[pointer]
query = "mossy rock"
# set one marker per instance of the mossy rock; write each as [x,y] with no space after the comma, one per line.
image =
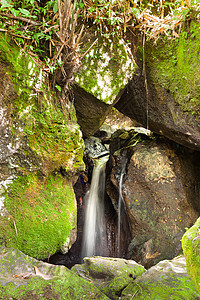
[24,278]
[110,275]
[167,280]
[174,64]
[191,250]
[39,140]
[37,120]
[173,82]
[106,68]
[41,215]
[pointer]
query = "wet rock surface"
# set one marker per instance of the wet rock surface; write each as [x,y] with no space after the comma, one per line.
[160,195]
[90,111]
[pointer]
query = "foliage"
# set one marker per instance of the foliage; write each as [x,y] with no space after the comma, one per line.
[46,30]
[154,17]
[50,30]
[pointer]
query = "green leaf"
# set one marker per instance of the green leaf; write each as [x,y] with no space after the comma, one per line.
[5,4]
[58,88]
[14,12]
[55,6]
[24,12]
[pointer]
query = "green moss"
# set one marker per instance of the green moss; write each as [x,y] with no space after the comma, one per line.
[174,64]
[171,288]
[62,288]
[41,215]
[62,283]
[51,129]
[106,69]
[53,136]
[47,139]
[191,250]
[23,70]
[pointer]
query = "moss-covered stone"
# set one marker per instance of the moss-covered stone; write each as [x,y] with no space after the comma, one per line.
[51,129]
[174,64]
[191,250]
[41,215]
[166,280]
[106,68]
[24,278]
[110,275]
[39,140]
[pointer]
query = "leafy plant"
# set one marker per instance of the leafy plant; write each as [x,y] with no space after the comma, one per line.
[50,31]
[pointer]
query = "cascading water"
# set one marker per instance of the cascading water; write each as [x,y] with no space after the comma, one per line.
[120,203]
[94,227]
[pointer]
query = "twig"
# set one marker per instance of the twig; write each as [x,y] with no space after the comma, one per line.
[15,227]
[79,37]
[86,52]
[20,18]
[60,16]
[134,295]
[145,82]
[50,28]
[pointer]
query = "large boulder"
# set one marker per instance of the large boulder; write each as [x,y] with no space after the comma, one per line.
[107,66]
[158,190]
[166,280]
[191,250]
[172,105]
[106,69]
[40,143]
[23,277]
[110,275]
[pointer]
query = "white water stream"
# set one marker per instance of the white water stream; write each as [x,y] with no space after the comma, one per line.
[94,218]
[120,202]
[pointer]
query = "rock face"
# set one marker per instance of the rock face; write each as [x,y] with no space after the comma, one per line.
[166,280]
[39,143]
[90,111]
[191,250]
[158,189]
[172,70]
[22,277]
[110,275]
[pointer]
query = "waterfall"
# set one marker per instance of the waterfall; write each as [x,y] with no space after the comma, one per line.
[120,202]
[94,227]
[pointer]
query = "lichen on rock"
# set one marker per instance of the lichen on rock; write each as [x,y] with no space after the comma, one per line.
[106,68]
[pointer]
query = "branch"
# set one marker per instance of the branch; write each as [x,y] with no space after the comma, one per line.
[89,48]
[20,18]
